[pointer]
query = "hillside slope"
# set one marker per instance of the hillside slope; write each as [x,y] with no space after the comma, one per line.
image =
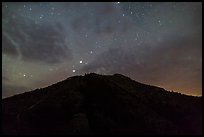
[101,104]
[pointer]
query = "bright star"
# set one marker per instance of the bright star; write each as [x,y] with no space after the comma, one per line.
[41,16]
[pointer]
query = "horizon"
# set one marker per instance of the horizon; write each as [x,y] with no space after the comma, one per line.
[101,75]
[152,42]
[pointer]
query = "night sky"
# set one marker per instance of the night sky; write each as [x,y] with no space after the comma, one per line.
[154,43]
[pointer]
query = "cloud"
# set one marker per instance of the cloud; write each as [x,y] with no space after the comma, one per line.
[9,90]
[42,42]
[175,60]
[5,79]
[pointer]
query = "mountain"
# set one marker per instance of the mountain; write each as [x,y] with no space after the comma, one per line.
[101,104]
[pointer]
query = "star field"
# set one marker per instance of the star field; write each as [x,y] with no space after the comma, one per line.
[154,43]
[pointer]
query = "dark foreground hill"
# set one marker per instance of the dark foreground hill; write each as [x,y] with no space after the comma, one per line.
[97,104]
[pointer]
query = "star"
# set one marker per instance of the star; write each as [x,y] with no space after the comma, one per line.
[83,37]
[41,16]
[159,22]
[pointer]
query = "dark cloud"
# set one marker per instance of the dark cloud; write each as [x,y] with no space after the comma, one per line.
[7,46]
[99,20]
[43,42]
[155,43]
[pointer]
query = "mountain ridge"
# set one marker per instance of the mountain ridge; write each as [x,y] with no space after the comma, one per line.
[101,104]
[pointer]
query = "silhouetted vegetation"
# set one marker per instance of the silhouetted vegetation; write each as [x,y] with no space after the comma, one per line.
[98,104]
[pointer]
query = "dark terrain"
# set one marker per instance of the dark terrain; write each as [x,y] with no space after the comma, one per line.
[101,104]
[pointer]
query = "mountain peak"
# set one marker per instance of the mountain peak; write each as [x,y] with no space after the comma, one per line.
[101,104]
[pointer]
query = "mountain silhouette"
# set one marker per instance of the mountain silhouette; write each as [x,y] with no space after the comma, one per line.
[101,104]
